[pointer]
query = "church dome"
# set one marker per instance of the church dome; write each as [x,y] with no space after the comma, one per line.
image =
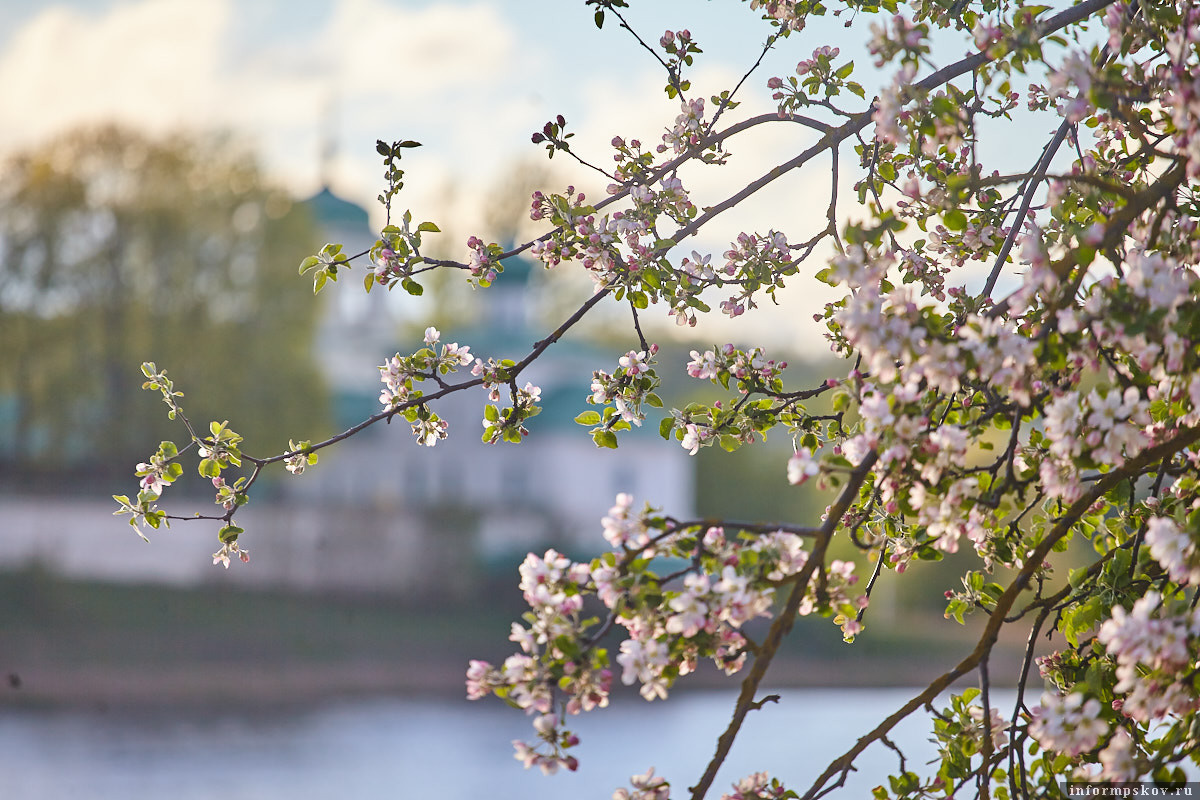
[334,212]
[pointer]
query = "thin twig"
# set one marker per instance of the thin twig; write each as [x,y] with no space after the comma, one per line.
[1039,174]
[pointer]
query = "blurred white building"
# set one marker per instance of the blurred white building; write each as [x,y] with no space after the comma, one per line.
[503,498]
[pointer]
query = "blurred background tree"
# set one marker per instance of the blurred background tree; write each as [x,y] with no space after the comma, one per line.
[118,248]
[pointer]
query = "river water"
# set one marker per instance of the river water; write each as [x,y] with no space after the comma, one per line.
[443,748]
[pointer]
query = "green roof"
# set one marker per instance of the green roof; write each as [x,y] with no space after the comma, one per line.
[517,269]
[331,210]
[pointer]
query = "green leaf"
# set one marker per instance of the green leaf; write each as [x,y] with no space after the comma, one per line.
[955,220]
[428,227]
[605,439]
[229,534]
[666,426]
[588,418]
[209,468]
[955,610]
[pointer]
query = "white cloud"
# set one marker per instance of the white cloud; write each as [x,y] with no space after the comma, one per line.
[415,56]
[164,64]
[149,64]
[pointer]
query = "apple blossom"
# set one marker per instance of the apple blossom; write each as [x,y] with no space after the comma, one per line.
[802,466]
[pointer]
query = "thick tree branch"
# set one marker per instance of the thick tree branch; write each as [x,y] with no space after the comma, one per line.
[783,623]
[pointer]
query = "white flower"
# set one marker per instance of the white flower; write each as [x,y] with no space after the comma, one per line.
[456,352]
[633,361]
[1172,549]
[1118,758]
[645,787]
[690,617]
[703,366]
[997,726]
[1068,725]
[621,528]
[627,414]
[802,466]
[530,393]
[641,660]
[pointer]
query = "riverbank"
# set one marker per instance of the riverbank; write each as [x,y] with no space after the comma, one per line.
[79,644]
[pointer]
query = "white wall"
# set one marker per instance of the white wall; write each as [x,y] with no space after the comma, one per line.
[290,546]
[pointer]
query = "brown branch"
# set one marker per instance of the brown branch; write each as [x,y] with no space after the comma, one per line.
[1115,229]
[746,527]
[985,744]
[770,43]
[1016,753]
[1035,180]
[783,623]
